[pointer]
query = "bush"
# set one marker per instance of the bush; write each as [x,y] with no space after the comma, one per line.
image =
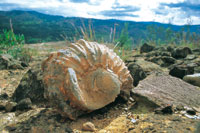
[14,45]
[124,39]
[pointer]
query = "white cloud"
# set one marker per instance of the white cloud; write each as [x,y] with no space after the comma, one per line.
[150,10]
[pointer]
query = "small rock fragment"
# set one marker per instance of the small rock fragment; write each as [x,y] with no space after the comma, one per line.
[88,126]
[131,99]
[133,120]
[10,106]
[191,116]
[24,104]
[165,110]
[68,130]
[3,96]
[179,107]
[2,106]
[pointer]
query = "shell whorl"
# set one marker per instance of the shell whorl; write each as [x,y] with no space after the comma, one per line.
[86,74]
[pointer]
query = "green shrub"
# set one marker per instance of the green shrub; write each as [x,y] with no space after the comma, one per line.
[124,39]
[14,45]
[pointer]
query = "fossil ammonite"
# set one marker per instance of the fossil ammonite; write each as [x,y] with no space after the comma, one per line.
[85,76]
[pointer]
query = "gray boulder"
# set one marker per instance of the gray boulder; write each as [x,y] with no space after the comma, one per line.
[181,52]
[136,72]
[145,48]
[193,79]
[31,86]
[180,71]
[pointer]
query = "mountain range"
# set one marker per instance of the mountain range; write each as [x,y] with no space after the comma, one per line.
[39,27]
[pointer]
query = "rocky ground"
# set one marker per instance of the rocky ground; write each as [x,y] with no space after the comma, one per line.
[160,102]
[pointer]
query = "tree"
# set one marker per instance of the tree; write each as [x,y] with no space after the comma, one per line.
[124,39]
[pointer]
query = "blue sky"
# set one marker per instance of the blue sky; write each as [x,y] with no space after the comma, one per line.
[174,11]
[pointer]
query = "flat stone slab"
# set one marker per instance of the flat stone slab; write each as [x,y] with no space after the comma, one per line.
[165,89]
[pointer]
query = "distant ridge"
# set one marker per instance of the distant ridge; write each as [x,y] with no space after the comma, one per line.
[39,27]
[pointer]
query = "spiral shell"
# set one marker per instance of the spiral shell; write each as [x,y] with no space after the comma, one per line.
[86,76]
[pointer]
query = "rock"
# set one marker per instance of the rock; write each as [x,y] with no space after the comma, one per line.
[24,104]
[8,62]
[196,109]
[85,77]
[145,48]
[19,119]
[193,79]
[181,52]
[149,67]
[3,96]
[165,89]
[197,69]
[31,86]
[24,64]
[191,112]
[192,116]
[180,71]
[88,126]
[5,119]
[190,57]
[152,53]
[165,54]
[136,72]
[10,106]
[160,48]
[68,130]
[196,51]
[11,128]
[163,61]
[157,53]
[170,48]
[2,106]
[179,107]
[165,110]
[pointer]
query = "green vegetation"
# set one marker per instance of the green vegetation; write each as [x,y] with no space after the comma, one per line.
[158,35]
[123,45]
[124,39]
[120,35]
[37,27]
[14,45]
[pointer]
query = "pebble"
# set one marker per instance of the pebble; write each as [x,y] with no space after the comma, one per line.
[133,120]
[131,99]
[88,126]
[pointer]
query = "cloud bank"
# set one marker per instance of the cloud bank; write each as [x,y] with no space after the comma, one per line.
[164,11]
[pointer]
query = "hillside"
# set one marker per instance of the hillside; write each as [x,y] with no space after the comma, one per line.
[38,27]
[160,101]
